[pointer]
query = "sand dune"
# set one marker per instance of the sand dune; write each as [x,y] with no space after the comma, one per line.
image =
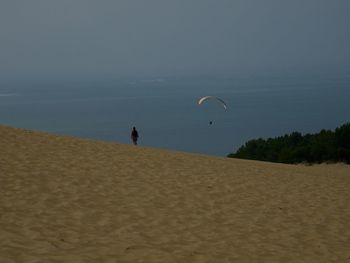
[65,199]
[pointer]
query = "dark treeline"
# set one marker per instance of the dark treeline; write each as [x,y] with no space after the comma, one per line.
[325,146]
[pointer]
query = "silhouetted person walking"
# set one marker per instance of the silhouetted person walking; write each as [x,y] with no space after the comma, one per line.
[134,135]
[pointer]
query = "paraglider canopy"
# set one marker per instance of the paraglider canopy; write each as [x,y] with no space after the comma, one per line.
[203,99]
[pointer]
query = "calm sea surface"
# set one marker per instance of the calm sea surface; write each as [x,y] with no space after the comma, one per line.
[166,113]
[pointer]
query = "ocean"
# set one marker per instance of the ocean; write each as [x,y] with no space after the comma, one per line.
[166,113]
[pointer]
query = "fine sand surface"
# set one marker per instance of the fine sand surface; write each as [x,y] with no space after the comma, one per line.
[64,199]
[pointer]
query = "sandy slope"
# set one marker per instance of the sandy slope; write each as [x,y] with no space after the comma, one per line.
[64,199]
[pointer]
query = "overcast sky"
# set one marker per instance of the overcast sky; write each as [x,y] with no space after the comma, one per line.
[58,39]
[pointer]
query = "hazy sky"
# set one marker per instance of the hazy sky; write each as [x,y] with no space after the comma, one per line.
[63,39]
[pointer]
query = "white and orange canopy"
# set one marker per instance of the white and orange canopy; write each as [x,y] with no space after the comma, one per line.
[203,99]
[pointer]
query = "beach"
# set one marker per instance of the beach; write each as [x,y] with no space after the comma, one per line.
[66,199]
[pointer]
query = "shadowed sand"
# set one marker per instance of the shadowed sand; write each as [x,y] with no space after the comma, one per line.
[65,199]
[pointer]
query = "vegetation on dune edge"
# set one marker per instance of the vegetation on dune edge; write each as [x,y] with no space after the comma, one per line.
[325,146]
